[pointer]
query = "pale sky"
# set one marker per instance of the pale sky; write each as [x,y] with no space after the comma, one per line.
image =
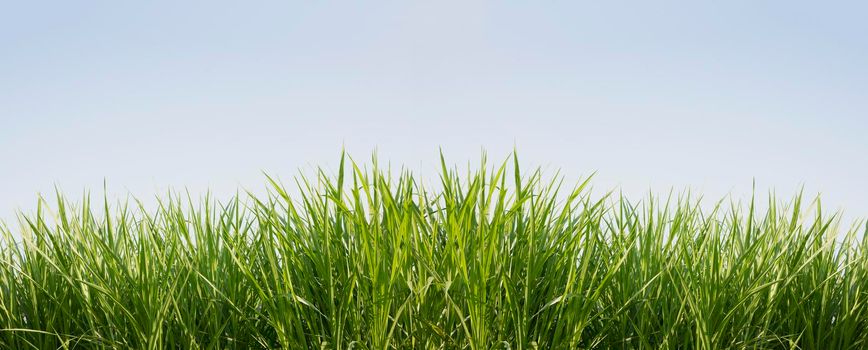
[149,95]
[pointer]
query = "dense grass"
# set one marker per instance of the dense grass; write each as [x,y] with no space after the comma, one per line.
[488,259]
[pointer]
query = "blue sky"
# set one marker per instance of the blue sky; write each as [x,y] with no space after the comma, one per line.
[701,95]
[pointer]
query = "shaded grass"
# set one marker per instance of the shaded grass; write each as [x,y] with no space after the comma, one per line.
[490,259]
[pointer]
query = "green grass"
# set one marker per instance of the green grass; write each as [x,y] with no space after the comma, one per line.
[487,259]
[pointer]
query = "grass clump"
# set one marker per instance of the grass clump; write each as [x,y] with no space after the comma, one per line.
[491,259]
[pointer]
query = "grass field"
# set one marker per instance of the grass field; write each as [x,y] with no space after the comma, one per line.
[493,258]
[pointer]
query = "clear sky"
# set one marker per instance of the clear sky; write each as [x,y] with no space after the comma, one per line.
[653,95]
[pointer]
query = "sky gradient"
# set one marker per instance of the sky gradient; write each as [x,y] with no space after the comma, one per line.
[152,95]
